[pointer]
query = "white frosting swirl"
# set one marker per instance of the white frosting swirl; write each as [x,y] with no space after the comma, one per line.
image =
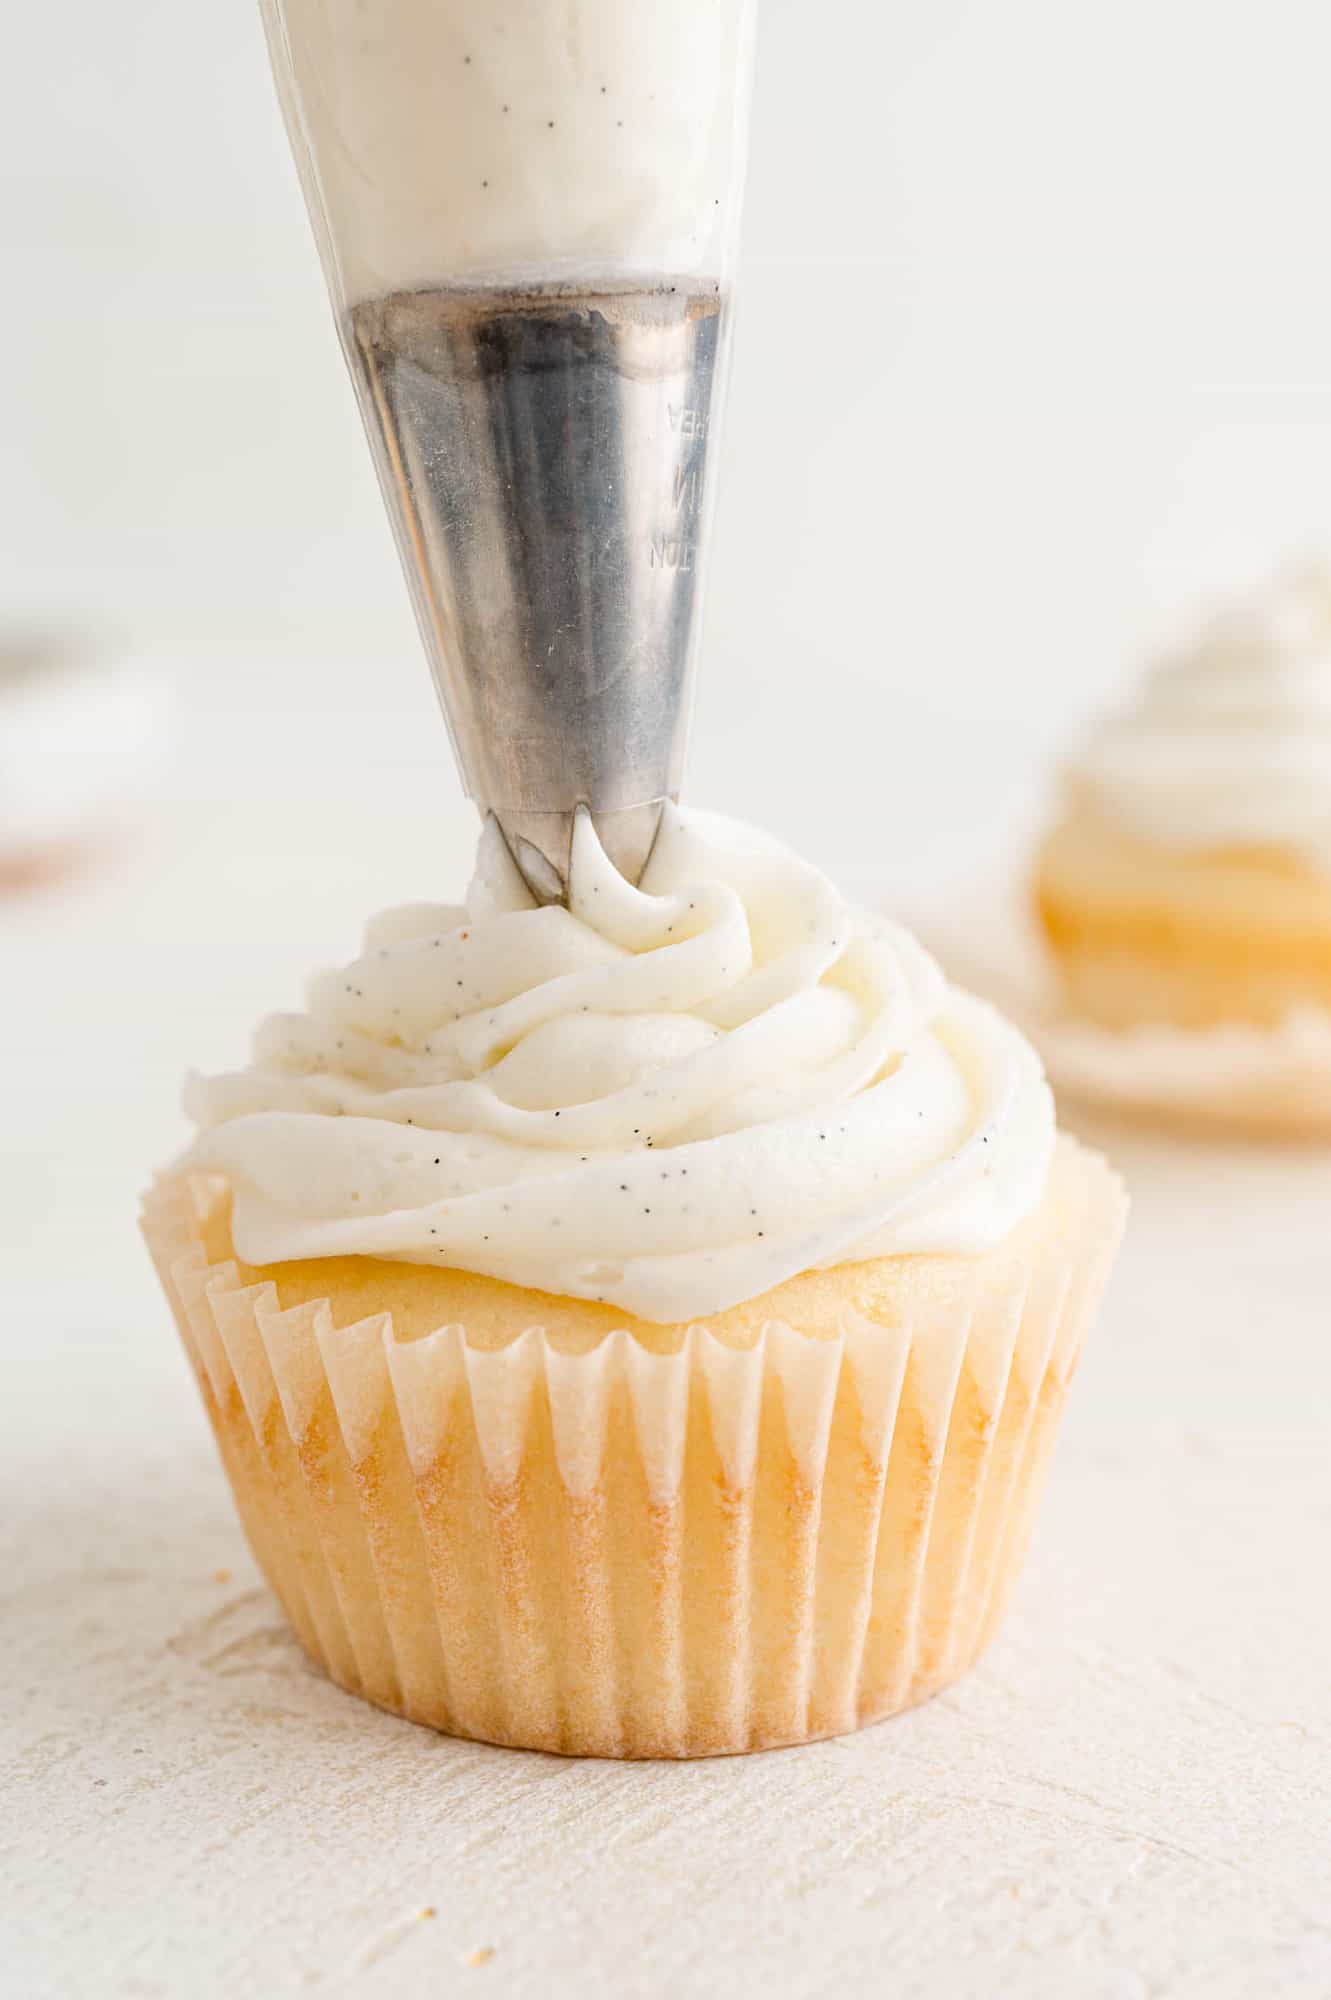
[1229,743]
[670,1098]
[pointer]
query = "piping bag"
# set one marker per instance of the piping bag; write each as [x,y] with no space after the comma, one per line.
[526,213]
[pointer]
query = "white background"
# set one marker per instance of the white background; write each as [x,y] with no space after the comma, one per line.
[1034,360]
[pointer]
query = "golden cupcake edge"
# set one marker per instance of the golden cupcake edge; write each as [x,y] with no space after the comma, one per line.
[712,1541]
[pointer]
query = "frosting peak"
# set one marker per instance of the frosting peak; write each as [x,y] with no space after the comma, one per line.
[669,1097]
[1229,741]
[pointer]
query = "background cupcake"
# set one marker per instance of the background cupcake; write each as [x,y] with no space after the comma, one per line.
[1185,893]
[1190,877]
[637,1328]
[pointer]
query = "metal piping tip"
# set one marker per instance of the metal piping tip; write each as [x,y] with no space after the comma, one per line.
[545,457]
[541,844]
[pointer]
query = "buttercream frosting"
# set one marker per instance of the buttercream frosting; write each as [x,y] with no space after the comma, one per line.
[469,140]
[669,1097]
[1228,743]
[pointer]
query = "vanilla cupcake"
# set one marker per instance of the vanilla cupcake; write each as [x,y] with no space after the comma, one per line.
[637,1328]
[1188,882]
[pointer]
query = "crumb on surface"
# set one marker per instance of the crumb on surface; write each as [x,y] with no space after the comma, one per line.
[481,1955]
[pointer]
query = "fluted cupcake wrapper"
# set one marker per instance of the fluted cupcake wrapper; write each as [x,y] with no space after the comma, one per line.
[630,1553]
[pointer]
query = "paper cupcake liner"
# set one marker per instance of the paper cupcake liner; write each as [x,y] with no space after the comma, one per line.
[1236,1077]
[630,1553]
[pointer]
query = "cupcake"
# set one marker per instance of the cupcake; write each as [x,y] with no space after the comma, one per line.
[1188,881]
[636,1328]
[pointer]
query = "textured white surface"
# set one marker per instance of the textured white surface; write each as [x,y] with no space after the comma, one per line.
[1131,1798]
